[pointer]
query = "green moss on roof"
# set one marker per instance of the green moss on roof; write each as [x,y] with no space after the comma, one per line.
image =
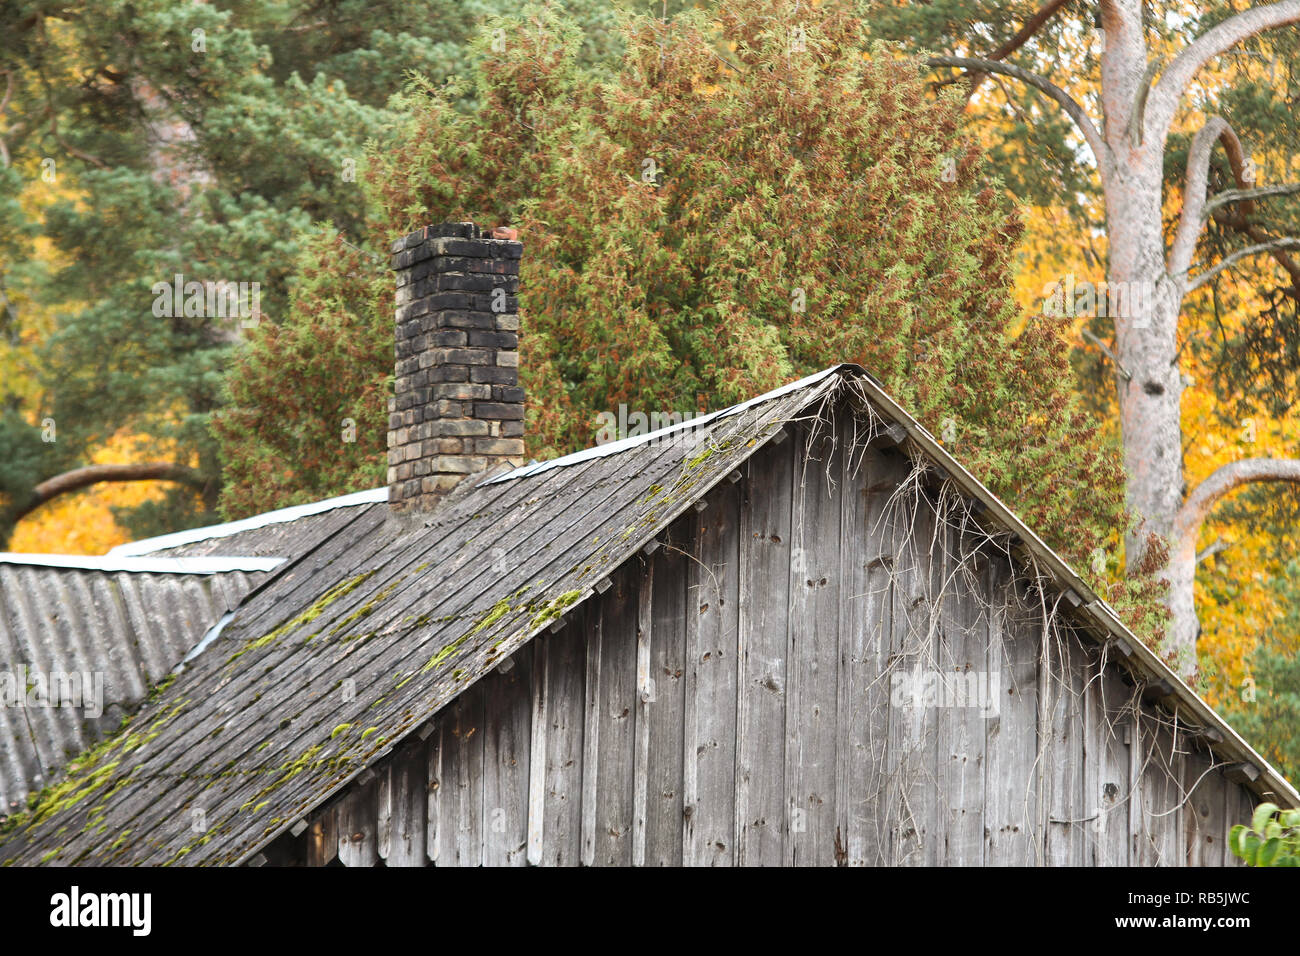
[498,611]
[307,616]
[92,772]
[445,652]
[552,609]
[701,458]
[364,610]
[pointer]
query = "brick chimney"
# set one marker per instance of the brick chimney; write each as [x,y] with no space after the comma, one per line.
[458,408]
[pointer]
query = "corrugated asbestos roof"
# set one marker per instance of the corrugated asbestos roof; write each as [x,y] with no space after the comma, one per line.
[131,616]
[129,628]
[359,642]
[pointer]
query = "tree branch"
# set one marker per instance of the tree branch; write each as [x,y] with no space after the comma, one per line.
[1219,546]
[72,150]
[1032,26]
[1259,235]
[1194,185]
[1197,207]
[1072,109]
[1164,98]
[1225,480]
[1248,195]
[1272,245]
[1119,366]
[1135,117]
[79,478]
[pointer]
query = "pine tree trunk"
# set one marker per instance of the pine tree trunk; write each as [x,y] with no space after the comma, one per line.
[1146,327]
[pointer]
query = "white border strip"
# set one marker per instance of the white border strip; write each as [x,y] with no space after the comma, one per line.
[178,538]
[210,564]
[614,447]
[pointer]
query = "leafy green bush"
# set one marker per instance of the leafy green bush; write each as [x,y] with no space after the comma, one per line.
[1272,839]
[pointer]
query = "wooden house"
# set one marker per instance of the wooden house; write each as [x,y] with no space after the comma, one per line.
[793,632]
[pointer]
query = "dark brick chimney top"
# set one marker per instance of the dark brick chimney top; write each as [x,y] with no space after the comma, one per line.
[458,408]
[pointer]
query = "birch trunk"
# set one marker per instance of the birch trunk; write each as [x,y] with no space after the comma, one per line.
[1150,285]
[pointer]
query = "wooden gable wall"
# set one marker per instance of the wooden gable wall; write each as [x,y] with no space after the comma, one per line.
[733,699]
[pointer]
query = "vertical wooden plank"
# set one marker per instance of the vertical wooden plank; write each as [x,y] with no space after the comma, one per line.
[1201,842]
[619,703]
[712,645]
[1238,806]
[1161,786]
[1160,821]
[323,842]
[812,649]
[1215,825]
[591,731]
[1113,702]
[537,751]
[433,786]
[467,747]
[645,693]
[764,617]
[507,738]
[384,809]
[939,668]
[1174,787]
[1093,751]
[1068,821]
[1093,758]
[972,697]
[865,629]
[1011,749]
[408,806]
[850,570]
[1139,846]
[1047,694]
[1176,769]
[462,785]
[357,843]
[664,768]
[565,673]
[690,698]
[911,797]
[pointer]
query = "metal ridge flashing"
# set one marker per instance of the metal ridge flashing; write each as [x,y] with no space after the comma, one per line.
[623,444]
[279,516]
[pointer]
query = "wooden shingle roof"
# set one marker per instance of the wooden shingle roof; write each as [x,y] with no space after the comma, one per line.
[359,642]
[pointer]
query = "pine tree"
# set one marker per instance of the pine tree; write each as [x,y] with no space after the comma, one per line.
[147,139]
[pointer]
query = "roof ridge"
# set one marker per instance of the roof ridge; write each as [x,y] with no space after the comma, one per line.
[175,539]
